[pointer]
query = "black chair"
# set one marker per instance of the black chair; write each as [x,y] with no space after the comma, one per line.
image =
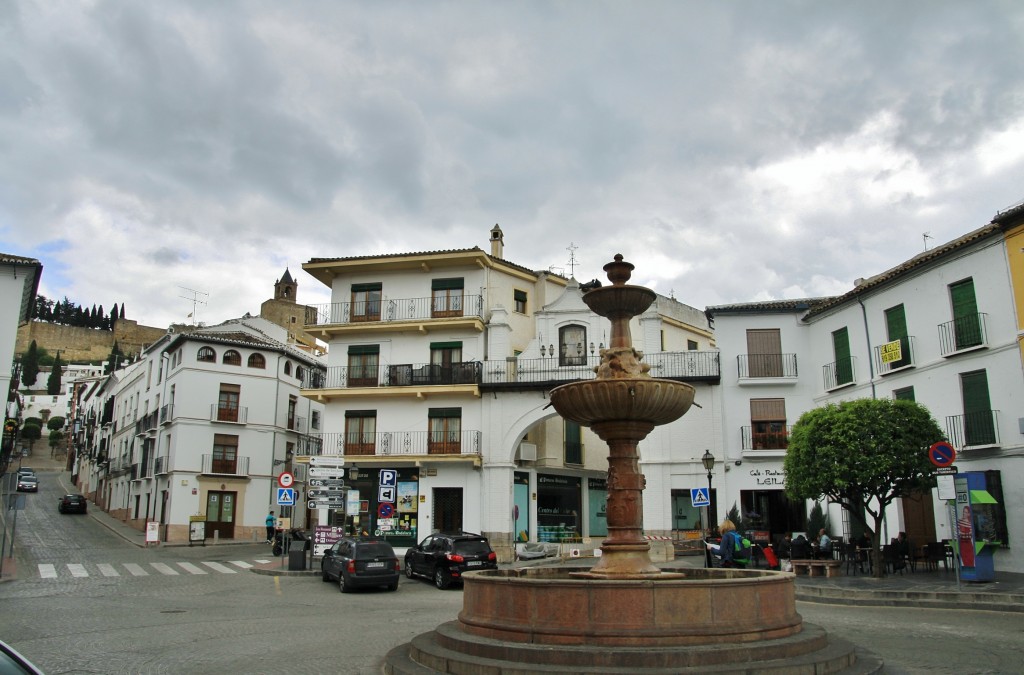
[891,559]
[935,553]
[849,556]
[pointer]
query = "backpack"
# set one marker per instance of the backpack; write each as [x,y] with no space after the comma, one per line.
[741,547]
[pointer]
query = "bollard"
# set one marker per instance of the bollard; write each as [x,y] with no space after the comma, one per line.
[216,537]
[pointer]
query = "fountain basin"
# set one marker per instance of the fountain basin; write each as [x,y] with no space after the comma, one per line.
[647,400]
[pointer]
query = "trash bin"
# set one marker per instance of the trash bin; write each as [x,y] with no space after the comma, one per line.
[296,558]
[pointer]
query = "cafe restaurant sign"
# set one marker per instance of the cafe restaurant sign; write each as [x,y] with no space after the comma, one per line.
[769,476]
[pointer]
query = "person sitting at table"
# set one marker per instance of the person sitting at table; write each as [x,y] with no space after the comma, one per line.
[903,551]
[784,549]
[824,544]
[800,549]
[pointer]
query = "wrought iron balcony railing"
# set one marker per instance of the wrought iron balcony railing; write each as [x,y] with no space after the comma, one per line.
[147,423]
[976,429]
[689,365]
[392,443]
[766,365]
[894,355]
[965,332]
[766,440]
[406,309]
[400,375]
[238,466]
[161,466]
[236,414]
[840,373]
[166,413]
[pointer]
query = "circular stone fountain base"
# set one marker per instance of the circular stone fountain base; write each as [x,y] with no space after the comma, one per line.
[539,620]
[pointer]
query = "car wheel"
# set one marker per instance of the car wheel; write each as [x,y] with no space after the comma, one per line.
[61,509]
[441,578]
[393,587]
[324,574]
[409,574]
[342,586]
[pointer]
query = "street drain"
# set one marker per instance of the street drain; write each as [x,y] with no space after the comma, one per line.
[172,611]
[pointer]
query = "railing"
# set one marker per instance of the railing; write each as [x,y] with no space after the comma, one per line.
[297,424]
[239,466]
[766,440]
[766,365]
[166,413]
[962,333]
[977,429]
[407,309]
[392,443]
[401,375]
[839,373]
[161,466]
[134,471]
[905,360]
[672,365]
[237,414]
[147,423]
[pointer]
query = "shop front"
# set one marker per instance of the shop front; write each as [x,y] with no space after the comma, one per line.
[559,504]
[386,504]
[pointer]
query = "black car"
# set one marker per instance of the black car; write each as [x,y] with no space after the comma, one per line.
[359,563]
[445,557]
[72,504]
[27,483]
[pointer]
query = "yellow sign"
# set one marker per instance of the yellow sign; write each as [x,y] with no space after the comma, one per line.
[892,351]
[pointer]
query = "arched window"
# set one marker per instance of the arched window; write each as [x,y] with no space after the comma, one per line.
[257,361]
[232,358]
[287,367]
[298,372]
[206,354]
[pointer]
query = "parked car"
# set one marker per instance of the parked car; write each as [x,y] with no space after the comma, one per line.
[445,557]
[28,483]
[26,471]
[13,662]
[358,563]
[72,504]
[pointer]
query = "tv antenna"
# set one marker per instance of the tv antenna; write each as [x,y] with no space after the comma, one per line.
[927,236]
[194,299]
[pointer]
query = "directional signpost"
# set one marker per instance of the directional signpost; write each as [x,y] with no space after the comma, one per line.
[327,482]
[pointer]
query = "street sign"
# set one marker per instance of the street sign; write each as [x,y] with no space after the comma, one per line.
[326,493]
[285,496]
[941,454]
[335,472]
[699,497]
[318,505]
[327,482]
[947,470]
[286,480]
[327,460]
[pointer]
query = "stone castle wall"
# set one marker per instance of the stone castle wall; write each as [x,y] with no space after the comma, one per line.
[86,344]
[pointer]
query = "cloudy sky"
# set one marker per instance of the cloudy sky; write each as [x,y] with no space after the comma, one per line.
[733,151]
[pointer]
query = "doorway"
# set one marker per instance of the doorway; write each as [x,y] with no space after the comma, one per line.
[220,514]
[448,509]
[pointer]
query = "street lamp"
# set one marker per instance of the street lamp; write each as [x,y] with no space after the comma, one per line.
[709,463]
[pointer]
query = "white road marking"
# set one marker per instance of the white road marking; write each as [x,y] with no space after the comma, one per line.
[241,563]
[47,571]
[136,570]
[108,570]
[164,569]
[190,568]
[217,567]
[77,570]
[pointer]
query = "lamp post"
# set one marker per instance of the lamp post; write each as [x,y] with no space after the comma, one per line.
[709,463]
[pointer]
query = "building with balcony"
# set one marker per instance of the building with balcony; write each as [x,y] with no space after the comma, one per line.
[201,426]
[941,329]
[436,396]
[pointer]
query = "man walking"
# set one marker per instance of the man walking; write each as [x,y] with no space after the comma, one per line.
[271,523]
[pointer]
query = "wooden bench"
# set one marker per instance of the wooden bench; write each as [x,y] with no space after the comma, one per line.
[817,568]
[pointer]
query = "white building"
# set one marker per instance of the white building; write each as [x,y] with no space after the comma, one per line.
[19,280]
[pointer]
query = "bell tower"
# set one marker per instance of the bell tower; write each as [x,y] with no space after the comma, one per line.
[286,288]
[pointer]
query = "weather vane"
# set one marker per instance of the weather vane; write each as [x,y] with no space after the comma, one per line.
[571,248]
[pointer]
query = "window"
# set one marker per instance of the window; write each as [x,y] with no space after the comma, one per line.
[360,432]
[966,320]
[444,435]
[225,453]
[292,403]
[362,365]
[768,424]
[764,352]
[206,354]
[692,345]
[446,364]
[519,301]
[257,361]
[446,297]
[314,419]
[298,372]
[904,394]
[896,329]
[232,358]
[287,367]
[842,371]
[979,423]
[572,346]
[573,443]
[366,302]
[227,403]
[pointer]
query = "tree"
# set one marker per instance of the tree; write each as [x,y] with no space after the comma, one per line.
[56,440]
[55,423]
[816,521]
[114,316]
[54,381]
[863,454]
[31,433]
[30,365]
[736,517]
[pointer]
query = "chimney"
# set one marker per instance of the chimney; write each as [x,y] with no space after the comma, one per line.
[497,242]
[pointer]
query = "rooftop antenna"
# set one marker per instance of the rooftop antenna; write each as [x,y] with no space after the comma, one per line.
[194,299]
[927,236]
[571,248]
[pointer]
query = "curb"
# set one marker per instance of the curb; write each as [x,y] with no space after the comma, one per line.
[923,599]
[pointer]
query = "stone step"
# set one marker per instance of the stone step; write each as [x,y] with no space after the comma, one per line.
[925,599]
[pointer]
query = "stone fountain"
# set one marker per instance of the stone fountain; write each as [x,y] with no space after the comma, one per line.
[626,615]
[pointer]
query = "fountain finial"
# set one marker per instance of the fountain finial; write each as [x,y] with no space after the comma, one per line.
[619,271]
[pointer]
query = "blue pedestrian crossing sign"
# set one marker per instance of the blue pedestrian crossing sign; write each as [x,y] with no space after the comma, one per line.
[285,496]
[699,497]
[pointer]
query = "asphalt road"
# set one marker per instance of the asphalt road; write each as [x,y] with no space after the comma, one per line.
[88,602]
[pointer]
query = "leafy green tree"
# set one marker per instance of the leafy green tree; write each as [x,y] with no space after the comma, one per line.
[56,441]
[816,521]
[30,365]
[34,420]
[53,383]
[863,454]
[736,517]
[55,423]
[31,433]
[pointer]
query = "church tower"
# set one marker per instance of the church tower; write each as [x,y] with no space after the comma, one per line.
[286,289]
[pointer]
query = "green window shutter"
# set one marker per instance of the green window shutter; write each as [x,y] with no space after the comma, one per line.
[966,323]
[447,284]
[519,296]
[364,288]
[979,427]
[844,364]
[573,443]
[363,349]
[905,394]
[896,327]
[360,413]
[444,412]
[446,345]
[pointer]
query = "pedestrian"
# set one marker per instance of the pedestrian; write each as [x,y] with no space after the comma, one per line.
[730,549]
[271,524]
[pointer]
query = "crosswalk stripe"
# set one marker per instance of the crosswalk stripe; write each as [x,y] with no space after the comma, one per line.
[241,563]
[164,569]
[217,567]
[264,562]
[47,571]
[108,570]
[77,570]
[136,570]
[190,568]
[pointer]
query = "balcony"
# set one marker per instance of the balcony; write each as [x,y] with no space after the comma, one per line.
[973,430]
[161,466]
[516,373]
[896,355]
[963,334]
[774,439]
[840,373]
[397,314]
[232,414]
[297,424]
[217,466]
[166,414]
[393,444]
[147,423]
[772,367]
[401,375]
